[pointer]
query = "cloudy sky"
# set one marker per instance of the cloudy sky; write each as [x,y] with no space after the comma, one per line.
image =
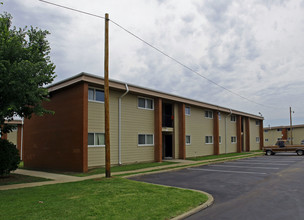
[254,48]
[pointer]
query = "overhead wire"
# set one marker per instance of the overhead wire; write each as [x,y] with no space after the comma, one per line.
[160,51]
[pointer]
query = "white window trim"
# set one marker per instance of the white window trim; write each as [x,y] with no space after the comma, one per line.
[186,139]
[257,139]
[95,95]
[145,98]
[143,145]
[220,139]
[189,111]
[231,118]
[208,114]
[235,140]
[211,138]
[94,140]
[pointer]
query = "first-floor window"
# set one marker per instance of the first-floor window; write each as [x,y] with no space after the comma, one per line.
[266,139]
[233,139]
[208,139]
[257,139]
[188,139]
[220,139]
[145,139]
[96,139]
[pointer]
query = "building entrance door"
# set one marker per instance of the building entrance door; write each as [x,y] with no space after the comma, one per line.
[167,146]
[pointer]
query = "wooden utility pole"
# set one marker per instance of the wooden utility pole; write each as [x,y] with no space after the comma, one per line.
[290,112]
[106,92]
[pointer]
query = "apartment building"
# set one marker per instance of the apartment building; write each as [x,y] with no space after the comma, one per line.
[145,125]
[272,134]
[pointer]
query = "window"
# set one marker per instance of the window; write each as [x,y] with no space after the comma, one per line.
[96,95]
[208,139]
[188,139]
[266,139]
[220,139]
[145,103]
[145,140]
[266,131]
[279,129]
[257,122]
[233,139]
[187,110]
[233,118]
[257,139]
[219,116]
[96,139]
[208,114]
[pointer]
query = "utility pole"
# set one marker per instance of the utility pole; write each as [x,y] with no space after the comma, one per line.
[106,92]
[291,141]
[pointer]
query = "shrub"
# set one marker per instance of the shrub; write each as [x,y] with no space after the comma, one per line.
[9,157]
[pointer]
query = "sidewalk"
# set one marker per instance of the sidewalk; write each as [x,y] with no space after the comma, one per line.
[60,178]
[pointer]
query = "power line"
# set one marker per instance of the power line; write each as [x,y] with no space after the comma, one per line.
[160,51]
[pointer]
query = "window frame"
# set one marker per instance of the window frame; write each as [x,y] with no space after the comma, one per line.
[94,145]
[146,99]
[207,138]
[233,116]
[257,122]
[189,139]
[266,140]
[94,95]
[145,144]
[257,139]
[207,113]
[187,107]
[233,138]
[220,139]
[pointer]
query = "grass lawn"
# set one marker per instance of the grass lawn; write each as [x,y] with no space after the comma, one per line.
[123,168]
[219,156]
[17,178]
[114,198]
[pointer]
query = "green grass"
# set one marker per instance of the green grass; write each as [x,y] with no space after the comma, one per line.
[218,156]
[17,179]
[114,198]
[122,168]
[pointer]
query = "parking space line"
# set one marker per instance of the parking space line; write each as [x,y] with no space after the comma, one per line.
[269,168]
[271,160]
[260,163]
[226,171]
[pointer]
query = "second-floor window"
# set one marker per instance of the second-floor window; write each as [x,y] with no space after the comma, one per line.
[96,95]
[187,110]
[208,114]
[145,103]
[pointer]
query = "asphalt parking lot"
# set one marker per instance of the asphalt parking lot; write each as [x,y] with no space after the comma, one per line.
[265,187]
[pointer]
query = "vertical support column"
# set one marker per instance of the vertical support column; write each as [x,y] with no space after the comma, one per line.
[85,128]
[182,131]
[19,129]
[247,131]
[261,135]
[284,133]
[216,133]
[158,130]
[239,133]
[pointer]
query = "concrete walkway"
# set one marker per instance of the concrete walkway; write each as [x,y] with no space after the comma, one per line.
[60,178]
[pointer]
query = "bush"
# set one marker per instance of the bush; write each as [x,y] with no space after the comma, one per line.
[9,157]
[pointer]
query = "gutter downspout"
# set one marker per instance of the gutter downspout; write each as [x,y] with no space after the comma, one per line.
[119,123]
[226,130]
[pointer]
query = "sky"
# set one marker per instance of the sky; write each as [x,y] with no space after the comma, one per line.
[254,48]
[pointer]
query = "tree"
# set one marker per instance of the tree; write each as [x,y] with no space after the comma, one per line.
[25,68]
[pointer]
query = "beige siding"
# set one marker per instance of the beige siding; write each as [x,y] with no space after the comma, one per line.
[272,136]
[134,121]
[254,133]
[12,136]
[297,134]
[176,131]
[198,127]
[222,132]
[231,132]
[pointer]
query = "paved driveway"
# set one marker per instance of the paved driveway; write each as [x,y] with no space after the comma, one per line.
[266,187]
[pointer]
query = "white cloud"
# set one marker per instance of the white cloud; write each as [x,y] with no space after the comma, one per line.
[254,47]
